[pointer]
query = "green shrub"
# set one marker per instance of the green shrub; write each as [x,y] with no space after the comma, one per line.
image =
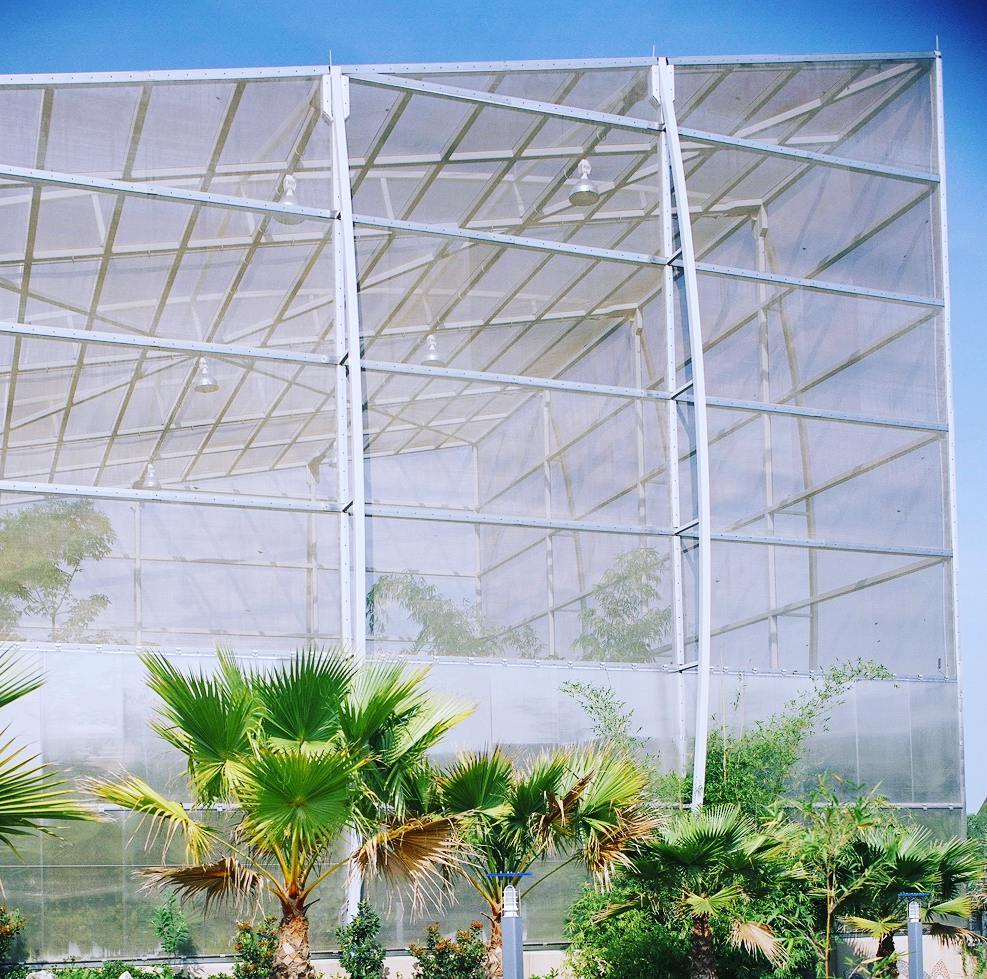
[11,923]
[253,948]
[172,927]
[463,957]
[360,951]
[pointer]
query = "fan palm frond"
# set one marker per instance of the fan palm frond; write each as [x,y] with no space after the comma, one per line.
[167,817]
[16,679]
[757,938]
[30,793]
[224,880]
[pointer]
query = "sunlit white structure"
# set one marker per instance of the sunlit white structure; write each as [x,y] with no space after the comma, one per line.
[633,372]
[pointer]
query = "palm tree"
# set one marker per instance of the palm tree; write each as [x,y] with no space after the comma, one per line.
[315,758]
[581,805]
[912,861]
[703,867]
[31,793]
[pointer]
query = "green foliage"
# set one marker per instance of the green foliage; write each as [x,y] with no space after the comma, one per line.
[360,951]
[171,926]
[11,924]
[31,793]
[42,550]
[445,627]
[113,970]
[462,957]
[254,946]
[751,769]
[625,622]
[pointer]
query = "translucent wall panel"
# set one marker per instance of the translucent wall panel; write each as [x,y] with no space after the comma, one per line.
[76,259]
[230,137]
[803,608]
[898,737]
[755,211]
[546,309]
[517,451]
[97,415]
[822,350]
[881,112]
[777,475]
[418,157]
[166,576]
[480,591]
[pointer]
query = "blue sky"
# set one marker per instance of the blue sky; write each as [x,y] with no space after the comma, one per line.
[99,35]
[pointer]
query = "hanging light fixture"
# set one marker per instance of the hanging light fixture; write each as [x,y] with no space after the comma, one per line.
[205,383]
[289,197]
[432,356]
[586,191]
[150,480]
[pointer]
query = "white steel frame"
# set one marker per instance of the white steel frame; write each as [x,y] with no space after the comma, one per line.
[348,364]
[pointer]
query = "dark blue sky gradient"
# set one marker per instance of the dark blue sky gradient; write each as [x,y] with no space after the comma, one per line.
[102,36]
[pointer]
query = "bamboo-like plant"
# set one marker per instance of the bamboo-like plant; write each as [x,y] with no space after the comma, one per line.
[311,756]
[31,792]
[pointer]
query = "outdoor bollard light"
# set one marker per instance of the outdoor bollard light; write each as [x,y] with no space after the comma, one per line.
[914,899]
[513,935]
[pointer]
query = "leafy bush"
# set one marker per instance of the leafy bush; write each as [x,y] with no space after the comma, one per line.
[360,951]
[113,970]
[445,958]
[11,923]
[172,927]
[253,948]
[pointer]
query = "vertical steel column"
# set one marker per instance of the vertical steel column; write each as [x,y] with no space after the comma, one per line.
[951,428]
[336,98]
[662,86]
[672,425]
[349,405]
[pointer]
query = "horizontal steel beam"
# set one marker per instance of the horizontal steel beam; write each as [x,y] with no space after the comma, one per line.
[177,75]
[795,59]
[511,241]
[514,380]
[494,519]
[819,285]
[192,347]
[479,96]
[233,500]
[53,178]
[828,545]
[808,156]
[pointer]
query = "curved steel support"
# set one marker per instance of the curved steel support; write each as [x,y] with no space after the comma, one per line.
[662,87]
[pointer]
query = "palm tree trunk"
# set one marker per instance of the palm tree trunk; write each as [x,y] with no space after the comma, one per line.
[293,956]
[702,959]
[886,964]
[495,947]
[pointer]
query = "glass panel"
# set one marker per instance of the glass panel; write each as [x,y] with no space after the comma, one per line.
[770,214]
[508,310]
[776,475]
[422,158]
[94,415]
[879,112]
[75,259]
[801,608]
[516,451]
[508,592]
[165,575]
[819,350]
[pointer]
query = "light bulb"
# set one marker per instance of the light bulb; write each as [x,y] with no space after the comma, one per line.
[150,481]
[585,192]
[288,197]
[205,383]
[432,356]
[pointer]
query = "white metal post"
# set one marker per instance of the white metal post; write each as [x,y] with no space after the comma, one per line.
[663,86]
[336,105]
